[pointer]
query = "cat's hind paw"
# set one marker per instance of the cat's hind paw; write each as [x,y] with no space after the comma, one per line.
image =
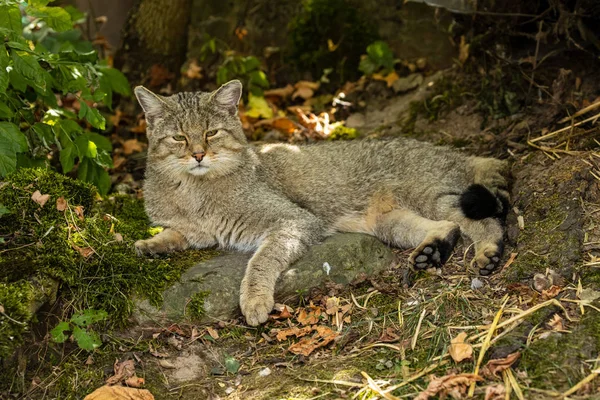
[434,251]
[256,308]
[487,260]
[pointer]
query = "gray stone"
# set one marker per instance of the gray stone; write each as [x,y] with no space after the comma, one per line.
[405,84]
[348,255]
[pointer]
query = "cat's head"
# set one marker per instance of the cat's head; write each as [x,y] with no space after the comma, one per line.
[197,133]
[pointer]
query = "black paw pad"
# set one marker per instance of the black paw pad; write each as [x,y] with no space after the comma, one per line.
[434,254]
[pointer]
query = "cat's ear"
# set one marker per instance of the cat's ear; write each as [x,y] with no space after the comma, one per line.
[152,104]
[228,96]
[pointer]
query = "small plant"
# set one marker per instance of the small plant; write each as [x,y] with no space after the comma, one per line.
[51,82]
[379,58]
[79,326]
[246,69]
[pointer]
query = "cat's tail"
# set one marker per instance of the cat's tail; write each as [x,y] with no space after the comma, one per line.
[479,202]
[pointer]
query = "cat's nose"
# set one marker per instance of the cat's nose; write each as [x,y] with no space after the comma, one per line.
[198,155]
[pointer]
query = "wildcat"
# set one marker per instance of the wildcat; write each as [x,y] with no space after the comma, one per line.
[207,186]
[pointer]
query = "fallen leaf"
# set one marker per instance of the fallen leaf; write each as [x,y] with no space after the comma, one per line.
[293,331]
[303,92]
[551,292]
[193,71]
[132,146]
[159,75]
[309,317]
[40,198]
[589,295]
[332,305]
[459,350]
[119,393]
[135,382]
[441,386]
[258,107]
[389,335]
[118,161]
[307,84]
[140,128]
[84,251]
[61,204]
[556,323]
[282,124]
[495,392]
[166,364]
[283,92]
[79,212]
[89,360]
[212,332]
[284,313]
[389,79]
[321,338]
[500,364]
[123,370]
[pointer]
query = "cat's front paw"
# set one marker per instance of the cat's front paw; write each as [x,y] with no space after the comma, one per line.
[144,248]
[256,306]
[488,257]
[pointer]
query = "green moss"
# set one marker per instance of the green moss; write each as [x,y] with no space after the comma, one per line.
[92,257]
[338,21]
[14,299]
[196,305]
[342,132]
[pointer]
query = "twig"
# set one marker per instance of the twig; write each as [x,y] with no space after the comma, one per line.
[581,383]
[580,112]
[374,387]
[414,340]
[486,343]
[552,134]
[515,385]
[418,375]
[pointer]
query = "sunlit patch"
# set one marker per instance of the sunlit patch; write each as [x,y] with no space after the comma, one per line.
[279,146]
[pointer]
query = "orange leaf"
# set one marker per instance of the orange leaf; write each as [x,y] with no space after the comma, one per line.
[119,393]
[551,292]
[311,317]
[40,198]
[132,146]
[140,128]
[294,331]
[322,338]
[500,364]
[212,332]
[79,212]
[283,92]
[135,382]
[453,382]
[193,71]
[123,370]
[459,350]
[61,204]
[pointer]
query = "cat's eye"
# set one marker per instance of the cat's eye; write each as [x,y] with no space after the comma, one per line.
[211,133]
[179,138]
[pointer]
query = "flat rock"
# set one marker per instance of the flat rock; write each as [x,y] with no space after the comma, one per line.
[407,83]
[348,255]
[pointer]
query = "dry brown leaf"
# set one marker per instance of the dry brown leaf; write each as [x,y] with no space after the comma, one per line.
[282,124]
[500,364]
[321,338]
[40,198]
[212,332]
[283,314]
[123,370]
[310,317]
[140,128]
[556,323]
[61,204]
[132,146]
[389,79]
[552,292]
[84,251]
[118,161]
[79,212]
[135,382]
[193,71]
[119,393]
[459,350]
[166,364]
[283,92]
[303,92]
[389,335]
[159,75]
[445,384]
[294,331]
[307,84]
[495,392]
[332,305]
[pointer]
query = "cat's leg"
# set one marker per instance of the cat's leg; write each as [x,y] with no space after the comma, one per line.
[277,251]
[433,240]
[167,241]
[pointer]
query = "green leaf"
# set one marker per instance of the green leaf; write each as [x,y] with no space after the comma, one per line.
[381,55]
[259,78]
[90,171]
[102,142]
[258,107]
[86,340]
[12,141]
[4,60]
[44,133]
[28,66]
[3,210]
[67,157]
[86,147]
[231,364]
[5,111]
[39,3]
[56,17]
[10,18]
[251,63]
[118,81]
[88,317]
[58,333]
[92,115]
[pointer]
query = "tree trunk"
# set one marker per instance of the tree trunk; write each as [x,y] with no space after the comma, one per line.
[154,42]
